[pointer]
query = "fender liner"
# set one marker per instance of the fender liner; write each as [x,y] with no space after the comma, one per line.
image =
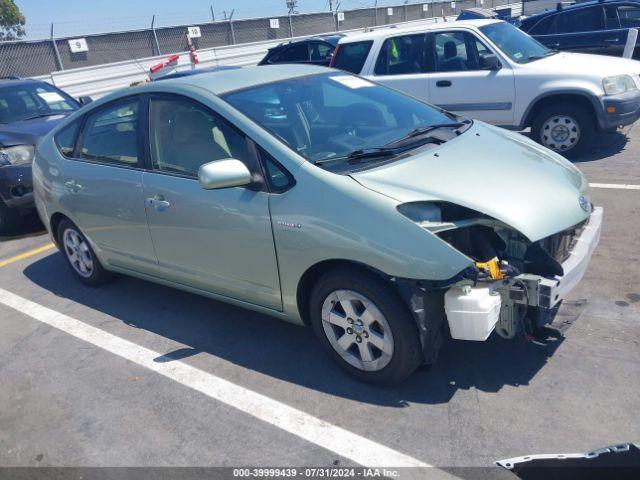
[427,309]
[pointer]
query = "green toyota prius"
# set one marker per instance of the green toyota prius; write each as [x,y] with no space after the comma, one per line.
[322,198]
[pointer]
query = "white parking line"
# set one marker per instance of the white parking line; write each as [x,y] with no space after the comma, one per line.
[618,186]
[344,443]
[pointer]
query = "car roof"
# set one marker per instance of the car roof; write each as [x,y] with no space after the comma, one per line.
[575,6]
[197,71]
[11,81]
[330,38]
[224,81]
[385,32]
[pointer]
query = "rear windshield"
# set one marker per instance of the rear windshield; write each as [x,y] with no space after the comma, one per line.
[351,56]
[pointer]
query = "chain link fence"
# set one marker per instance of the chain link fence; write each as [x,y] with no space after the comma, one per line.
[32,58]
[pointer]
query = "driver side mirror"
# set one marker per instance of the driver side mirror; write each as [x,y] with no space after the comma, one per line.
[490,62]
[85,99]
[223,174]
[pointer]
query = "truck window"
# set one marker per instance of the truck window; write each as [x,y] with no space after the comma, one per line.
[546,26]
[611,17]
[402,55]
[295,53]
[351,56]
[458,51]
[584,20]
[629,16]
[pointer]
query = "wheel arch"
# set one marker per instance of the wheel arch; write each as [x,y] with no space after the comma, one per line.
[313,273]
[583,98]
[54,222]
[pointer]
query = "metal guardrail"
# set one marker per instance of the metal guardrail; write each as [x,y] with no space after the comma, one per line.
[56,53]
[99,80]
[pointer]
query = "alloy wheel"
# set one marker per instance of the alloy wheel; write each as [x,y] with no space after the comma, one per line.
[357,330]
[78,253]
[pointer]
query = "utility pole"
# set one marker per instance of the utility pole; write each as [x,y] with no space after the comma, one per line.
[331,5]
[213,15]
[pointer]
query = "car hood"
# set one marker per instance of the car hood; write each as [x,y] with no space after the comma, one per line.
[499,173]
[572,63]
[28,131]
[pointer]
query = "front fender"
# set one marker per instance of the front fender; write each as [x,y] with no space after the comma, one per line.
[588,94]
[328,216]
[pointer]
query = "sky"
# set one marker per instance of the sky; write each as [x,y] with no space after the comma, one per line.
[77,17]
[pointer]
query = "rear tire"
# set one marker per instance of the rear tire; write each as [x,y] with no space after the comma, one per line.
[10,219]
[80,256]
[564,128]
[365,326]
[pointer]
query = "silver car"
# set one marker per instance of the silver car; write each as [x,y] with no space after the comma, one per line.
[324,199]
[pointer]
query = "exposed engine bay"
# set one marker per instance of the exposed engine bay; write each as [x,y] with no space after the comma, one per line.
[512,285]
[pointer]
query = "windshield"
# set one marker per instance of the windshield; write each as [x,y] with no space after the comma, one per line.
[333,114]
[516,44]
[22,101]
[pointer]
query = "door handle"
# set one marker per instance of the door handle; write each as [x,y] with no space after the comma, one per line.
[158,203]
[443,83]
[72,186]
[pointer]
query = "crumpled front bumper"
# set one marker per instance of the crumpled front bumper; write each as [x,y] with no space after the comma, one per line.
[547,292]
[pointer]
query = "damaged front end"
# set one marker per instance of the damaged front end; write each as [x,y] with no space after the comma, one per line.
[515,284]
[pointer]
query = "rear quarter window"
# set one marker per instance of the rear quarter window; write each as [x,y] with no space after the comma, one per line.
[351,56]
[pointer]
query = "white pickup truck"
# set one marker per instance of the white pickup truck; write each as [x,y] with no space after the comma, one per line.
[492,71]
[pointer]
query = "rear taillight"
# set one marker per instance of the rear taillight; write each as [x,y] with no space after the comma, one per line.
[333,57]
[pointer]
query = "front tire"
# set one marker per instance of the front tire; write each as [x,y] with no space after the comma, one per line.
[80,256]
[564,128]
[365,326]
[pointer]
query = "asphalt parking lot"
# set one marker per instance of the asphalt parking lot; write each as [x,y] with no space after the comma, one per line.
[66,401]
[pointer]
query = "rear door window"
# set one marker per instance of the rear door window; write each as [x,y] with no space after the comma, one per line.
[402,55]
[629,16]
[584,20]
[546,26]
[611,18]
[351,56]
[295,53]
[110,134]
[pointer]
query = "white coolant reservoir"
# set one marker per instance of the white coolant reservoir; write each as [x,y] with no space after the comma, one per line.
[472,312]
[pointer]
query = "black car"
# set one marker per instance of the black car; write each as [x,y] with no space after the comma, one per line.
[313,50]
[29,109]
[590,27]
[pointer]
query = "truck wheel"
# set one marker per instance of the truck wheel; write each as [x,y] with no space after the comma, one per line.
[80,256]
[365,326]
[564,128]
[10,219]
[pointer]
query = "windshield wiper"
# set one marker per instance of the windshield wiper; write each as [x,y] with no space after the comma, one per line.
[41,115]
[361,153]
[418,132]
[544,55]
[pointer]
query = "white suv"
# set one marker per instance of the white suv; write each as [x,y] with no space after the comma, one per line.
[490,70]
